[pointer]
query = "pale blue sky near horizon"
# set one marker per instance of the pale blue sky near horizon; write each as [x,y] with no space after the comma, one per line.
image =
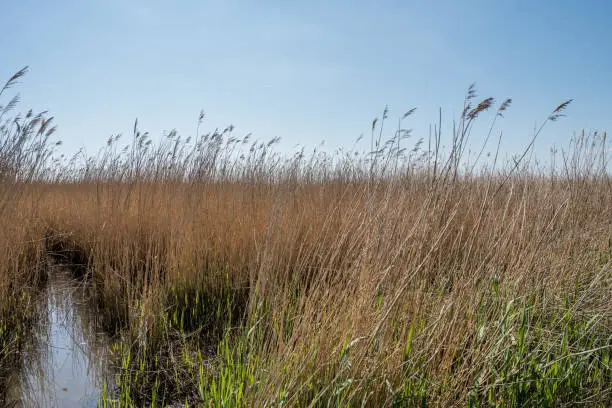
[307,71]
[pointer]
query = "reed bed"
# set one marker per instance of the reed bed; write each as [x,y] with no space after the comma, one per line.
[231,275]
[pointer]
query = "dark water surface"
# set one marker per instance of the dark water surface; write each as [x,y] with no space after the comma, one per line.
[67,363]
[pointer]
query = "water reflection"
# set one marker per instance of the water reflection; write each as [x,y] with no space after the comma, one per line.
[67,363]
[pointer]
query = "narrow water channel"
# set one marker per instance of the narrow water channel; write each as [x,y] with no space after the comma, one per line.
[67,363]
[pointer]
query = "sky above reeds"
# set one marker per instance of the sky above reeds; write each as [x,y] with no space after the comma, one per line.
[307,71]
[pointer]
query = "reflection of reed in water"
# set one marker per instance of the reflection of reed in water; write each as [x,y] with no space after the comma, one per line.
[67,363]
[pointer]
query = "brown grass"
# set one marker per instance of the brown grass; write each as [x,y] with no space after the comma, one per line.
[331,282]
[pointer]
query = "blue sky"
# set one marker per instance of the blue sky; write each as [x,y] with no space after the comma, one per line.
[307,71]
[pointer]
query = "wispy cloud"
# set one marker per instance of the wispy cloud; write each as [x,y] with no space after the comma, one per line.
[142,12]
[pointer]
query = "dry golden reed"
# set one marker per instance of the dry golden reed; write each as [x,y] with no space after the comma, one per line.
[231,275]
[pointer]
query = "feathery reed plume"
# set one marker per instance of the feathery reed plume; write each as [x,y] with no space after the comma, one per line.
[484,105]
[14,79]
[503,107]
[558,112]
